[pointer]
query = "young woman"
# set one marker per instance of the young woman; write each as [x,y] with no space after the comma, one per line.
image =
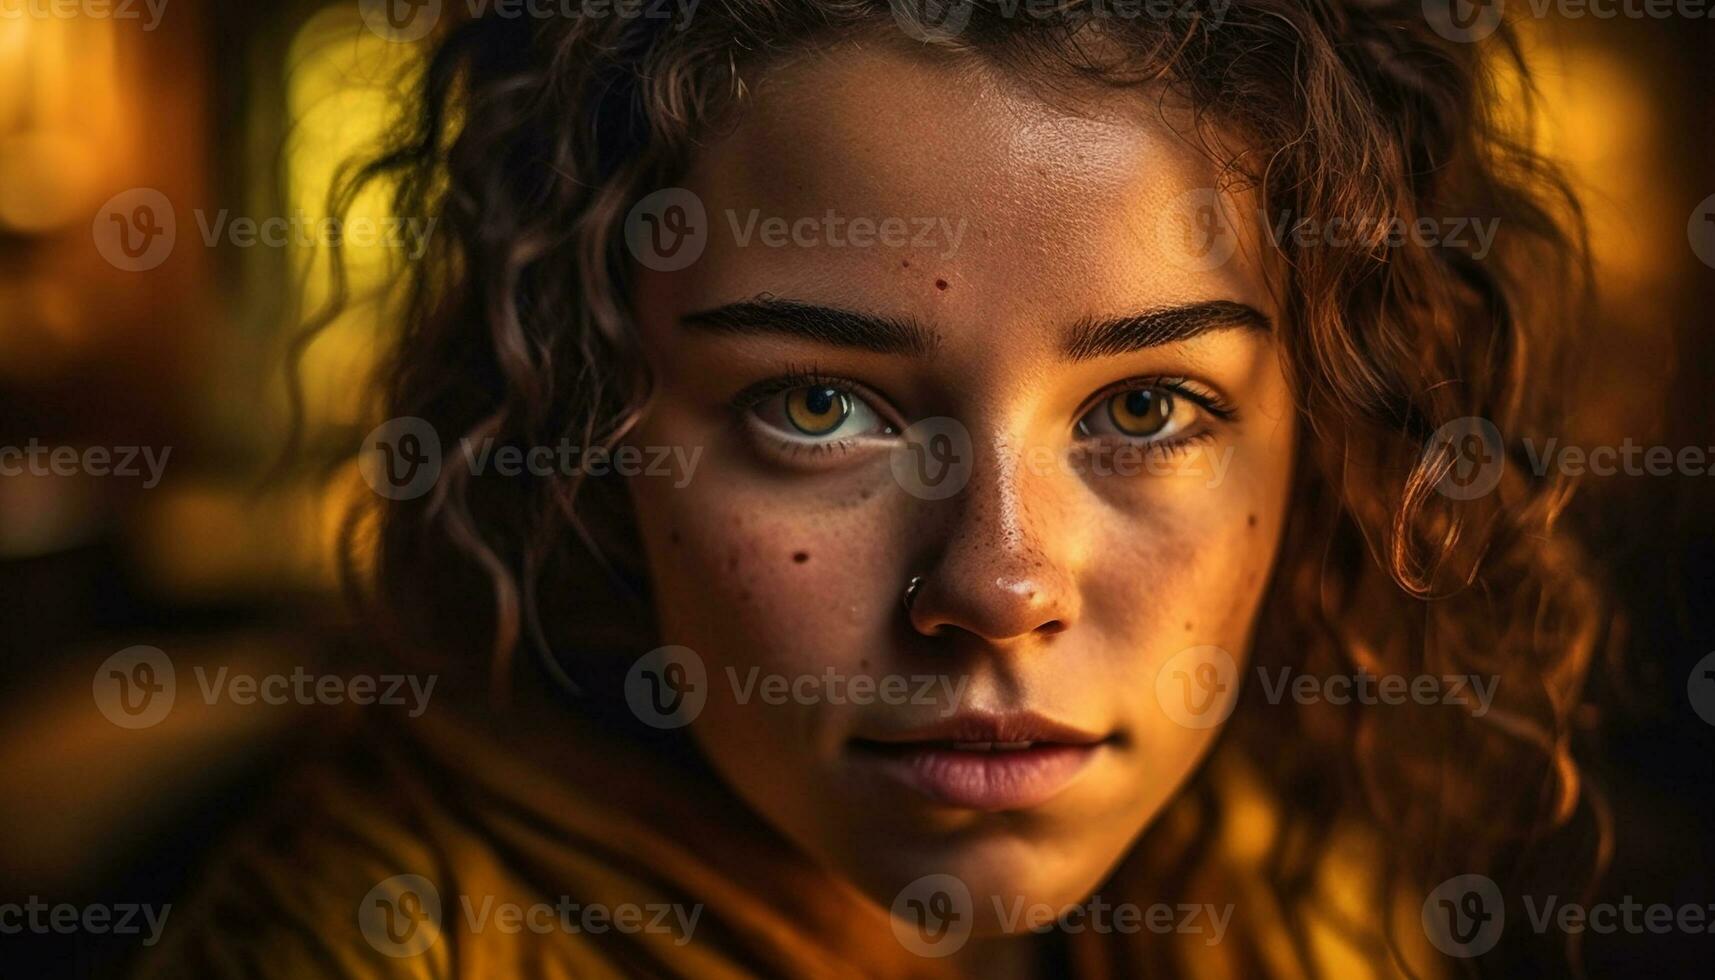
[1067,525]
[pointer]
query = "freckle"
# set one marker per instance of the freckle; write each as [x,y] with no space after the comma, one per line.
[801,557]
[732,561]
[1187,626]
[673,536]
[864,663]
[905,263]
[1252,520]
[940,284]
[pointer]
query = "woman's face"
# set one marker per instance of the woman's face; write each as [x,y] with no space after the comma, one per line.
[1102,491]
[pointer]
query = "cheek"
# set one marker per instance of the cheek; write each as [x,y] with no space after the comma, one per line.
[1184,572]
[751,572]
[1178,580]
[769,581]
[1190,571]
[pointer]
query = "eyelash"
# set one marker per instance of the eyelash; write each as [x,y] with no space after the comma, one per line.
[806,377]
[792,377]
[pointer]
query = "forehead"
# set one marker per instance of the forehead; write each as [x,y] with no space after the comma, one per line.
[991,200]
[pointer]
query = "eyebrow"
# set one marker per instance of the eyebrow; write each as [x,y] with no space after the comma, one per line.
[1089,339]
[1086,340]
[823,324]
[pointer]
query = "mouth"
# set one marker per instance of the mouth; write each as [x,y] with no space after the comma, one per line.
[989,763]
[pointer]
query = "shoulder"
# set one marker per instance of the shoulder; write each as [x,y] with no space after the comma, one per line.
[444,847]
[434,851]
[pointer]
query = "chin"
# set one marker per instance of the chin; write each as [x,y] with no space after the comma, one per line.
[1000,870]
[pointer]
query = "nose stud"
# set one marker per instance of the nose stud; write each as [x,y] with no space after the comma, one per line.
[911,589]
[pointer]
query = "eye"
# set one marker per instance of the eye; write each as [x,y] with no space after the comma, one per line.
[819,413]
[1148,414]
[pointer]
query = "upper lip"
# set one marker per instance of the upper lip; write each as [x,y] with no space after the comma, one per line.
[1004,728]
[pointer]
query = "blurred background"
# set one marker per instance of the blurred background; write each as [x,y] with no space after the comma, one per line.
[164,330]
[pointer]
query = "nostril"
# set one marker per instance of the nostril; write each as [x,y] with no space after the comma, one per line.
[992,609]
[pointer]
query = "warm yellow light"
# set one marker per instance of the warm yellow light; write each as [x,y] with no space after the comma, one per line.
[1599,120]
[59,100]
[345,86]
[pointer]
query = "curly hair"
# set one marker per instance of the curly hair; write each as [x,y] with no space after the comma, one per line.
[530,139]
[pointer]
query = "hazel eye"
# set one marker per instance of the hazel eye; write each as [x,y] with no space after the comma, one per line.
[819,413]
[1152,414]
[1144,412]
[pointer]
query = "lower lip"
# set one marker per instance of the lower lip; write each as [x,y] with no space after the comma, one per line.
[989,781]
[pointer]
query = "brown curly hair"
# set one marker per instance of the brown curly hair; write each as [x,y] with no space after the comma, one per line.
[530,139]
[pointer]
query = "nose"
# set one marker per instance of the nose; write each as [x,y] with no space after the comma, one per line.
[1007,563]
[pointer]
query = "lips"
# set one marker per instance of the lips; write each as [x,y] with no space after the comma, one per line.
[983,762]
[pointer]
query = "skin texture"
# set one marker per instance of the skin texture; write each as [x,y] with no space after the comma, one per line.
[1048,588]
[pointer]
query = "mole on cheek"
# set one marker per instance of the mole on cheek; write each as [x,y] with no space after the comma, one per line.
[801,557]
[940,284]
[1251,520]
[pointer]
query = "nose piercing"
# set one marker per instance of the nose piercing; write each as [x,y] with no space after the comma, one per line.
[911,589]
